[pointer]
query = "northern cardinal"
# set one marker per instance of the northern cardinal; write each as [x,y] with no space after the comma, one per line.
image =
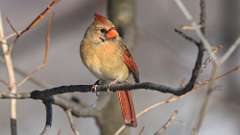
[105,54]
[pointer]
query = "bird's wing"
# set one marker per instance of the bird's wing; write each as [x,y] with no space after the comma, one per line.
[128,60]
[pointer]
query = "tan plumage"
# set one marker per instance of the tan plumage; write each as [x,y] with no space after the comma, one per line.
[103,52]
[104,61]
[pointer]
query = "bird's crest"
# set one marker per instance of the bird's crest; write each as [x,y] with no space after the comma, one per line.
[101,18]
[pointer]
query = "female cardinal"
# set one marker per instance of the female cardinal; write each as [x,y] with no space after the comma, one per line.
[104,53]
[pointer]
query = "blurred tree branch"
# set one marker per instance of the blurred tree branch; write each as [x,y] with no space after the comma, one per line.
[123,14]
[167,124]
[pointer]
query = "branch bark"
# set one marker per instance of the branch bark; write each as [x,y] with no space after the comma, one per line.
[11,78]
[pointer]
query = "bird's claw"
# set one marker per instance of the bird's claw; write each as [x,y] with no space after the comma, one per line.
[94,89]
[110,84]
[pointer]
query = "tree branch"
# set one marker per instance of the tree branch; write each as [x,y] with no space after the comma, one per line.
[11,78]
[197,29]
[167,124]
[48,123]
[70,119]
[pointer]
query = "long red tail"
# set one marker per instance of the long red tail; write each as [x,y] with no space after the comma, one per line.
[127,108]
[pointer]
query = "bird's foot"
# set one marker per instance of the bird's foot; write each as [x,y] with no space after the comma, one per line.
[110,84]
[94,87]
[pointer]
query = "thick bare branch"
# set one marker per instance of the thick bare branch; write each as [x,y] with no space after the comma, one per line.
[49,113]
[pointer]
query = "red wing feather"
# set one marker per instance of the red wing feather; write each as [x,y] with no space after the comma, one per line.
[132,66]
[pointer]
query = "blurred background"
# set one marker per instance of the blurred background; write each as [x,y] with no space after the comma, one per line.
[161,54]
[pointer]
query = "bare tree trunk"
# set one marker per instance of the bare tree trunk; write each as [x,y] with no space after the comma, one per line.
[110,118]
[123,14]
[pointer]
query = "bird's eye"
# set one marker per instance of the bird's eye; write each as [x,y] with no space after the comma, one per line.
[103,30]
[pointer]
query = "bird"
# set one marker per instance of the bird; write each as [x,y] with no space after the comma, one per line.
[106,56]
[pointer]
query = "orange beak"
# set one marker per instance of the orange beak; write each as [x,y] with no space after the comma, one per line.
[111,33]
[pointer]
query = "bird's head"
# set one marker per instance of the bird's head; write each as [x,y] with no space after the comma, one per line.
[102,30]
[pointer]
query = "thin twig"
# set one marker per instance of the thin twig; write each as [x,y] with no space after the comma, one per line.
[70,119]
[196,28]
[203,16]
[38,18]
[11,35]
[11,26]
[168,123]
[45,130]
[45,58]
[11,77]
[33,23]
[120,130]
[23,74]
[204,106]
[170,99]
[234,69]
[188,38]
[230,51]
[141,131]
